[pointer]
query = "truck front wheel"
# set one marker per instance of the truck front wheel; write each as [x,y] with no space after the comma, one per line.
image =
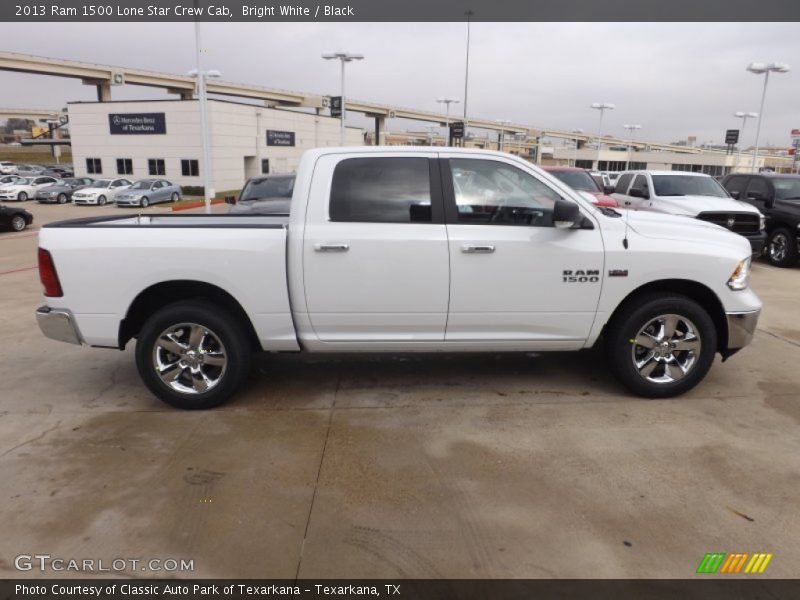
[193,355]
[661,345]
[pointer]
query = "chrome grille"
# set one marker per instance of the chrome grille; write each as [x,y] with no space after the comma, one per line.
[736,222]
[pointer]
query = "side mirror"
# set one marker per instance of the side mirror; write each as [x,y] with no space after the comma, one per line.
[636,193]
[566,214]
[230,199]
[755,196]
[608,189]
[735,194]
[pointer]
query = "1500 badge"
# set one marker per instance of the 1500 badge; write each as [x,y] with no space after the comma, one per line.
[580,276]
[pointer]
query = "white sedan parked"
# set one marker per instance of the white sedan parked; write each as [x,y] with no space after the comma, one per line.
[101,191]
[25,188]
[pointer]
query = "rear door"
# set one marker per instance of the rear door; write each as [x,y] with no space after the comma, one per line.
[514,277]
[375,257]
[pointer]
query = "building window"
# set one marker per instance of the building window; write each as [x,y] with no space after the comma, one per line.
[190,168]
[264,166]
[584,164]
[94,166]
[124,166]
[155,166]
[637,166]
[611,165]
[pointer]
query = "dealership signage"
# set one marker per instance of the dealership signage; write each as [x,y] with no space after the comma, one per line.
[457,130]
[137,123]
[732,136]
[280,138]
[336,106]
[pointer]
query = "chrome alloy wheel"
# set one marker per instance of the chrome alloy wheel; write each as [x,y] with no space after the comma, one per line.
[189,358]
[779,247]
[666,348]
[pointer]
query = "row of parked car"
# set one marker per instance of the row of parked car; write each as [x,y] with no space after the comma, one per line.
[85,190]
[10,168]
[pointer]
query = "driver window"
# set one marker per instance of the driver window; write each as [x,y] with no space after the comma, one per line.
[495,193]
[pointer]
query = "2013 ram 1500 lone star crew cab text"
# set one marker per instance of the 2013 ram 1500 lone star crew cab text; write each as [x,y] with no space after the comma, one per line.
[399,250]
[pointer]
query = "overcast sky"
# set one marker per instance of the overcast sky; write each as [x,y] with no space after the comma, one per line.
[674,79]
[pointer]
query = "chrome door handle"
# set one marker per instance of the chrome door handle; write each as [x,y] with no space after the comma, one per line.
[331,247]
[472,249]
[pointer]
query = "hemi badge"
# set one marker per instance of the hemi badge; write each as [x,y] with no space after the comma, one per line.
[618,273]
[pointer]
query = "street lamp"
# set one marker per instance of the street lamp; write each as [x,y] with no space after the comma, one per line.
[447,102]
[631,133]
[743,116]
[343,58]
[602,107]
[202,76]
[765,69]
[575,150]
[468,14]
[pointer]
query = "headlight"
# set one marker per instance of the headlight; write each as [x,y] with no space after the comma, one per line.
[739,280]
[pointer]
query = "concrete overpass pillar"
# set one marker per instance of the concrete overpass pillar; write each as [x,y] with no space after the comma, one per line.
[380,124]
[104,91]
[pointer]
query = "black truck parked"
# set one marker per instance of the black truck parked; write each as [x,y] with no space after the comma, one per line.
[778,197]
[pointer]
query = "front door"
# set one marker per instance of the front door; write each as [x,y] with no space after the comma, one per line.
[514,276]
[375,258]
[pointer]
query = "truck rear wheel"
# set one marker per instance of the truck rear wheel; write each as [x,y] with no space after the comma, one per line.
[661,346]
[193,355]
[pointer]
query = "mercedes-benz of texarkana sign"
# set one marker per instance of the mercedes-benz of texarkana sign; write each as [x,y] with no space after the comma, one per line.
[399,250]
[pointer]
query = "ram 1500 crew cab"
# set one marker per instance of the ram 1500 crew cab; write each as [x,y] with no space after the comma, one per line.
[398,250]
[693,195]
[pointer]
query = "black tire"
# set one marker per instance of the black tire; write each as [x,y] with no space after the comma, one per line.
[781,248]
[62,198]
[18,223]
[229,331]
[22,197]
[145,202]
[102,200]
[622,351]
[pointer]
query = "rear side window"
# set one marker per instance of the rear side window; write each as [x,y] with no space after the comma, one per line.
[622,183]
[735,185]
[381,190]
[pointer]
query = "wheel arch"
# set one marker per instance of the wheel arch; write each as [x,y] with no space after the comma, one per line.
[161,294]
[695,290]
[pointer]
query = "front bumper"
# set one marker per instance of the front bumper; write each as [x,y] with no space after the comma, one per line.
[741,328]
[47,199]
[58,324]
[127,202]
[757,241]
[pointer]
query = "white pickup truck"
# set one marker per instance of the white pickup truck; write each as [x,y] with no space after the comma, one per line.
[693,195]
[401,250]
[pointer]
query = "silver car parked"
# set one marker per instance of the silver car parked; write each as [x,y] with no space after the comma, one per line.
[145,192]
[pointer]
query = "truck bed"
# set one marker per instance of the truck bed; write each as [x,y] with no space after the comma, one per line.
[105,262]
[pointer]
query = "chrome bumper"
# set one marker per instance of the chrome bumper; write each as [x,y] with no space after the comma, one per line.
[58,325]
[741,327]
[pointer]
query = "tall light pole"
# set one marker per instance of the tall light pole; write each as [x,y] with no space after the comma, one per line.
[343,58]
[575,150]
[468,14]
[631,134]
[743,116]
[602,107]
[447,102]
[203,100]
[765,69]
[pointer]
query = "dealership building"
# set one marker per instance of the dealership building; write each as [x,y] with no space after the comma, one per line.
[163,138]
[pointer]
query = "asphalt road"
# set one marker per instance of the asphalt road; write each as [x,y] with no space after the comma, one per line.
[483,465]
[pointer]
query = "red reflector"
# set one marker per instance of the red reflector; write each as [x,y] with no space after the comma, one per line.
[48,275]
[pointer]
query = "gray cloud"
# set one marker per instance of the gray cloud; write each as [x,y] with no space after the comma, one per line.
[674,79]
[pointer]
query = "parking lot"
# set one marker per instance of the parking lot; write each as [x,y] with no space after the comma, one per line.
[488,465]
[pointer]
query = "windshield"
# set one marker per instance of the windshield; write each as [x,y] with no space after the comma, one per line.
[687,185]
[102,183]
[268,188]
[141,185]
[787,188]
[577,180]
[71,181]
